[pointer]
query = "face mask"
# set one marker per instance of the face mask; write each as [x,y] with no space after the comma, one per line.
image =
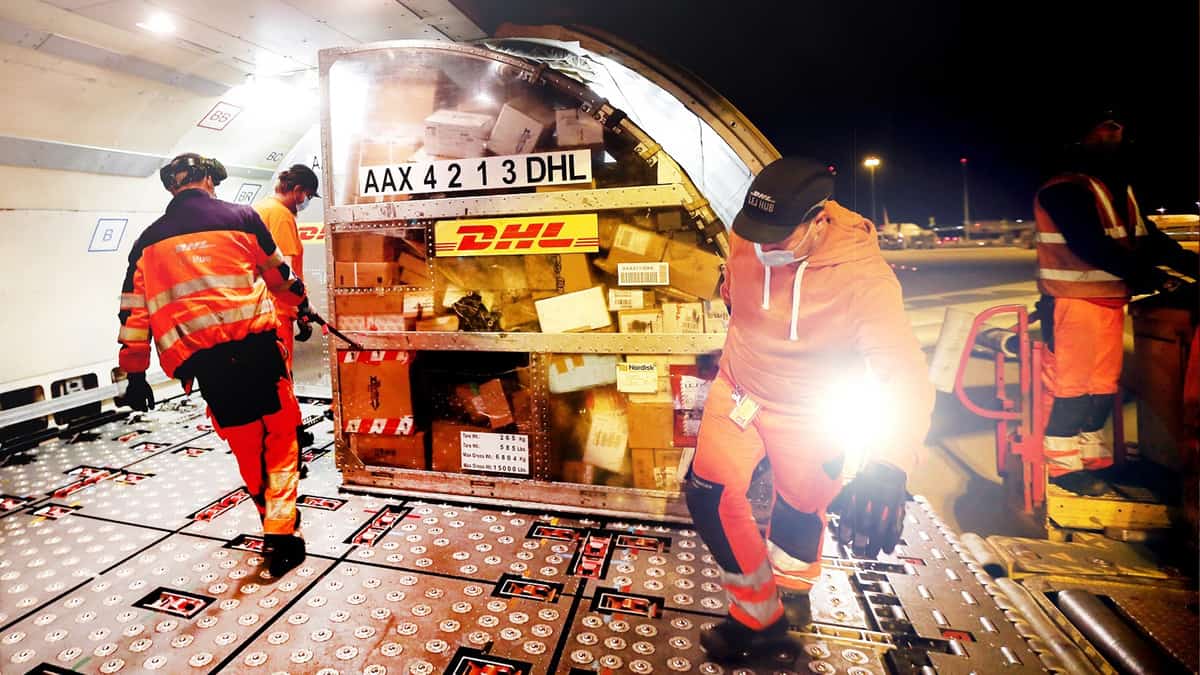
[303,203]
[786,256]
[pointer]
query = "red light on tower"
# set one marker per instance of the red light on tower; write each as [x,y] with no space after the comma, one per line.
[832,169]
[963,161]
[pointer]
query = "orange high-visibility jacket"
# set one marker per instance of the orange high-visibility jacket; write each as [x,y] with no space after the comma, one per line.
[1063,274]
[797,331]
[198,277]
[281,223]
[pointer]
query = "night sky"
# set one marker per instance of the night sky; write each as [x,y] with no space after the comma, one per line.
[923,83]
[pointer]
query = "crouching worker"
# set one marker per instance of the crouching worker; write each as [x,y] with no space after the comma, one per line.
[201,282]
[812,303]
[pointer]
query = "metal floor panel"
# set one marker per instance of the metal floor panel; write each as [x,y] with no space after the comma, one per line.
[135,548]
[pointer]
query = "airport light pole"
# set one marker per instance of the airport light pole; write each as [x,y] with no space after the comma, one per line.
[966,203]
[872,163]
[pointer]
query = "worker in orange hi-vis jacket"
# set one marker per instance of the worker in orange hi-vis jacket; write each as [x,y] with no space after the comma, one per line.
[202,282]
[294,189]
[1094,251]
[812,302]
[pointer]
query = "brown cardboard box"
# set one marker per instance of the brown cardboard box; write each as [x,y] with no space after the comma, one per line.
[397,107]
[575,372]
[366,274]
[485,403]
[574,128]
[373,303]
[651,425]
[607,444]
[683,317]
[632,244]
[375,390]
[640,321]
[365,247]
[540,272]
[520,313]
[575,471]
[576,273]
[656,469]
[563,273]
[520,127]
[414,271]
[447,444]
[669,220]
[451,133]
[445,324]
[606,228]
[693,270]
[402,452]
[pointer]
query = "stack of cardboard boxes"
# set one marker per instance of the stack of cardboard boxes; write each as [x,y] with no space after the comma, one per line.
[369,260]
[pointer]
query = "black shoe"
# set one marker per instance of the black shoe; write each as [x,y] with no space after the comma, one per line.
[730,640]
[286,552]
[303,469]
[1083,483]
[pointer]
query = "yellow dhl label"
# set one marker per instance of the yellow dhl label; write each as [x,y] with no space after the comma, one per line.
[533,235]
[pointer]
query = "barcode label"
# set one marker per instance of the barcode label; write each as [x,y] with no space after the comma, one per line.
[618,300]
[643,274]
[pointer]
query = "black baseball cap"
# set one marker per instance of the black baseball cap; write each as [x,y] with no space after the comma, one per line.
[786,193]
[302,175]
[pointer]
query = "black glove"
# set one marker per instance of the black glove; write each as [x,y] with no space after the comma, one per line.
[303,328]
[870,510]
[138,394]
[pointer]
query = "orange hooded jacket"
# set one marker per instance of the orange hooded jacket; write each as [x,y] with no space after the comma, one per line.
[833,316]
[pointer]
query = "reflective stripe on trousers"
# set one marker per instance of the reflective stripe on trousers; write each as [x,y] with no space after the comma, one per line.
[753,599]
[1062,455]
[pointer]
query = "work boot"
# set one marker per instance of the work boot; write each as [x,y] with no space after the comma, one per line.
[286,551]
[730,640]
[1083,483]
[304,437]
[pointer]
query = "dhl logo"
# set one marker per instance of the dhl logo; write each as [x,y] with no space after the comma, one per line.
[577,233]
[311,233]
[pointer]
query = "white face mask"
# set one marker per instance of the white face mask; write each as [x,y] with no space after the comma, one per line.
[783,257]
[303,203]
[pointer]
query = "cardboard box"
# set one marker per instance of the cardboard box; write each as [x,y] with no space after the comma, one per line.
[624,298]
[485,403]
[413,270]
[606,228]
[576,471]
[520,127]
[670,220]
[402,452]
[576,372]
[716,316]
[575,272]
[640,321]
[517,314]
[452,133]
[445,324]
[365,247]
[656,468]
[633,244]
[574,312]
[366,274]
[607,444]
[369,303]
[375,390]
[398,106]
[651,425]
[447,445]
[574,128]
[693,270]
[386,323]
[683,317]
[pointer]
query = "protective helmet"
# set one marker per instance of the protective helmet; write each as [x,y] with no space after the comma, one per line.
[196,167]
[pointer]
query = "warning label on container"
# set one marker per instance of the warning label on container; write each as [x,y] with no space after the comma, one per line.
[496,453]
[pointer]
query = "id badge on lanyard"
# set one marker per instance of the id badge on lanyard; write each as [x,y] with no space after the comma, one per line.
[744,408]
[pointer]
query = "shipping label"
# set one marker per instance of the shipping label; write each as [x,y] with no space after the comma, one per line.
[495,453]
[637,378]
[564,167]
[619,300]
[528,235]
[643,274]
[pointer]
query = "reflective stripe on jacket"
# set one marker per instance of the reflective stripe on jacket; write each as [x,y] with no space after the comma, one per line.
[1063,274]
[200,275]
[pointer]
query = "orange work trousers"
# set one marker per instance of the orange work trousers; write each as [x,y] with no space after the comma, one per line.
[1081,378]
[268,459]
[806,468]
[287,338]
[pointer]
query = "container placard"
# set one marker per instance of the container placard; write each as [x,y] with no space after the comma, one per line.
[637,378]
[496,453]
[565,167]
[518,235]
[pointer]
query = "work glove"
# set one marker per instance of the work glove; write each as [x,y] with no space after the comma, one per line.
[303,328]
[870,510]
[138,394]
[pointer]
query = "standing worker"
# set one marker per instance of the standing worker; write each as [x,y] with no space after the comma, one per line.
[197,282]
[294,189]
[811,302]
[1094,251]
